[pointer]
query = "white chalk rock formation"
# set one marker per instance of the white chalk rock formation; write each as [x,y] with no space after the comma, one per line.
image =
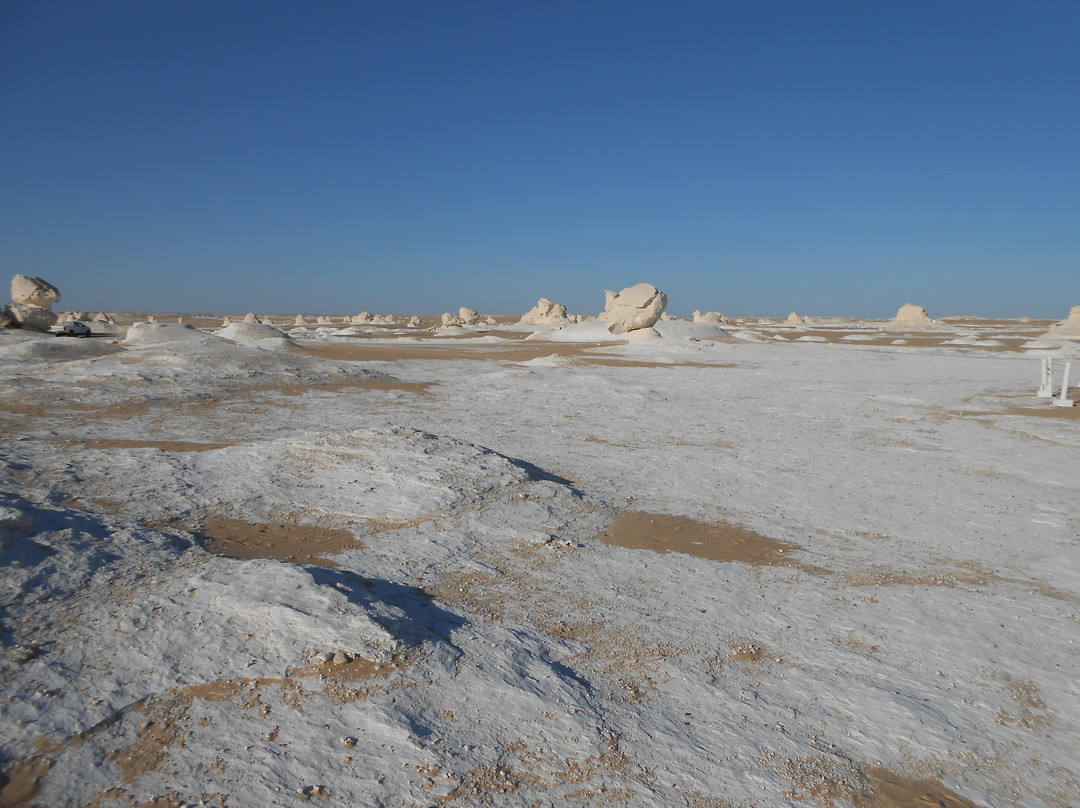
[468,316]
[794,319]
[102,317]
[150,333]
[257,335]
[414,321]
[1069,328]
[712,317]
[27,316]
[362,317]
[545,312]
[31,303]
[33,291]
[299,320]
[250,318]
[634,308]
[451,320]
[910,317]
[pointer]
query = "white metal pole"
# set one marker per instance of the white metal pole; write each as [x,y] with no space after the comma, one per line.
[1063,401]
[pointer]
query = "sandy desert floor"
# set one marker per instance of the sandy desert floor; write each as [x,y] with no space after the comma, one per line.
[507,566]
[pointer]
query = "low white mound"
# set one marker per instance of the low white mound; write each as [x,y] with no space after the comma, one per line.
[811,338]
[159,333]
[1068,328]
[681,329]
[638,306]
[545,312]
[257,335]
[591,331]
[910,318]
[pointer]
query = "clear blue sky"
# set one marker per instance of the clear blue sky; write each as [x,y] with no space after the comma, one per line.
[746,157]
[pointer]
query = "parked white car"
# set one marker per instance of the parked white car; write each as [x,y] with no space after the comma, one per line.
[71,328]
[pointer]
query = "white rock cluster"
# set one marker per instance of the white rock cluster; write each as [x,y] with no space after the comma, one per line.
[713,317]
[634,311]
[31,303]
[546,312]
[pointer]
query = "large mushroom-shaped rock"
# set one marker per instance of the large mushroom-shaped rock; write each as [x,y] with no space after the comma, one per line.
[910,317]
[545,312]
[468,316]
[33,291]
[634,308]
[1068,328]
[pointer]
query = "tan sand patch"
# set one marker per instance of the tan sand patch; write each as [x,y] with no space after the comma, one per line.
[890,790]
[164,445]
[716,541]
[518,352]
[293,543]
[24,780]
[824,780]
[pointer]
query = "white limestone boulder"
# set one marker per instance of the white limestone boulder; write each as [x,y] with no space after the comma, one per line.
[468,316]
[910,318]
[32,291]
[26,316]
[634,308]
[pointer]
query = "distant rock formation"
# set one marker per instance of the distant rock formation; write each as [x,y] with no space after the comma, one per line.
[300,320]
[635,308]
[451,321]
[468,316]
[1069,328]
[910,318]
[545,312]
[414,321]
[713,317]
[31,303]
[250,318]
[795,320]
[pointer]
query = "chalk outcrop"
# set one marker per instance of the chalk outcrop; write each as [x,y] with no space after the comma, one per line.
[468,316]
[33,292]
[451,321]
[1069,328]
[31,303]
[910,318]
[794,319]
[712,317]
[546,312]
[634,309]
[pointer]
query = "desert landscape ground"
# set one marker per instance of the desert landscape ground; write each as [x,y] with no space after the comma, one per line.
[755,562]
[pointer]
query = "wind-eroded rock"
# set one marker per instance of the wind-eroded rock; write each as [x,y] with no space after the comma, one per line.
[634,308]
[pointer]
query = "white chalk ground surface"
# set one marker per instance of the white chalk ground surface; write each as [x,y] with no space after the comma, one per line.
[928,625]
